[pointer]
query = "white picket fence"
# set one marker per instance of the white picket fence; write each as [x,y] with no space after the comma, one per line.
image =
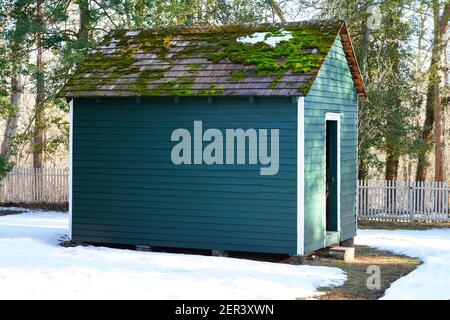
[404,201]
[377,200]
[33,185]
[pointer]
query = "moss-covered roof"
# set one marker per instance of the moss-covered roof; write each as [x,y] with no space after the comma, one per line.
[262,60]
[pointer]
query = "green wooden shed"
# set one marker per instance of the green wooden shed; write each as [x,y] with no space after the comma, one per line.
[234,138]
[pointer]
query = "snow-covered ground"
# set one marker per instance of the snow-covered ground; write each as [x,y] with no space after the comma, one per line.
[431,280]
[33,265]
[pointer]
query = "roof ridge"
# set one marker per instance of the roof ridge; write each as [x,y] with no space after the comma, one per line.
[225,27]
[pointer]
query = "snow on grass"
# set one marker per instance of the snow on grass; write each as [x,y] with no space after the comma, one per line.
[266,37]
[33,265]
[13,209]
[431,280]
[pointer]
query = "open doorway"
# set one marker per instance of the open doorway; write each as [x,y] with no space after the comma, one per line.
[332,173]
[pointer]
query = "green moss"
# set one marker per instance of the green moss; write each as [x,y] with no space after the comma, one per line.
[217,44]
[213,91]
[216,90]
[82,87]
[294,54]
[167,40]
[179,87]
[238,75]
[306,87]
[216,56]
[115,66]
[146,76]
[194,67]
[273,84]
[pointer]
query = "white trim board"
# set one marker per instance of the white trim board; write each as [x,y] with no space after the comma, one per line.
[70,165]
[301,176]
[331,116]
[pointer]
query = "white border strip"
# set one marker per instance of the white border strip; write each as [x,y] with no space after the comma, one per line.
[330,116]
[301,176]
[70,165]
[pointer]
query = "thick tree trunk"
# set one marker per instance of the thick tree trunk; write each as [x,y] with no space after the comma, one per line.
[83,31]
[12,122]
[364,46]
[391,174]
[392,163]
[363,165]
[433,112]
[363,170]
[435,79]
[426,137]
[439,31]
[277,10]
[438,144]
[39,122]
[392,145]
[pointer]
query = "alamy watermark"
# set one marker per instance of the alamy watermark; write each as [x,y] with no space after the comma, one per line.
[235,146]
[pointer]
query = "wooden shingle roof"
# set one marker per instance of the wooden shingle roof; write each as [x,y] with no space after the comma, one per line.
[262,60]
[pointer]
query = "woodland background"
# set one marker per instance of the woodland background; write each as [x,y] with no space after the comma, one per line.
[402,48]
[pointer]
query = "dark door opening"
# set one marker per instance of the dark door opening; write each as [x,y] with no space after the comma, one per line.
[331,175]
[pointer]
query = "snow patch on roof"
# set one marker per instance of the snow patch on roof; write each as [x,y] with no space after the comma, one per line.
[267,37]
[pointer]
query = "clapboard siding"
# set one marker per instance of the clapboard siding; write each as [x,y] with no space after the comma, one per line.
[332,91]
[126,189]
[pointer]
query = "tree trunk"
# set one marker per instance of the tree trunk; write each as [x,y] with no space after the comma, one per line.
[426,137]
[364,46]
[83,31]
[11,124]
[363,170]
[277,10]
[433,111]
[363,165]
[435,79]
[392,150]
[392,163]
[438,144]
[439,31]
[39,122]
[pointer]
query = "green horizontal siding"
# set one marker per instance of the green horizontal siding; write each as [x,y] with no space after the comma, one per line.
[332,91]
[126,189]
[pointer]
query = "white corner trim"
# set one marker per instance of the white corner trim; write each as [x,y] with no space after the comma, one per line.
[301,176]
[70,165]
[330,116]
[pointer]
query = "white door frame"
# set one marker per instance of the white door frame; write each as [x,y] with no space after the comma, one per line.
[333,116]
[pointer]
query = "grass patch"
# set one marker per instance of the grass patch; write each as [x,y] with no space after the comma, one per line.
[393,267]
[393,225]
[37,206]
